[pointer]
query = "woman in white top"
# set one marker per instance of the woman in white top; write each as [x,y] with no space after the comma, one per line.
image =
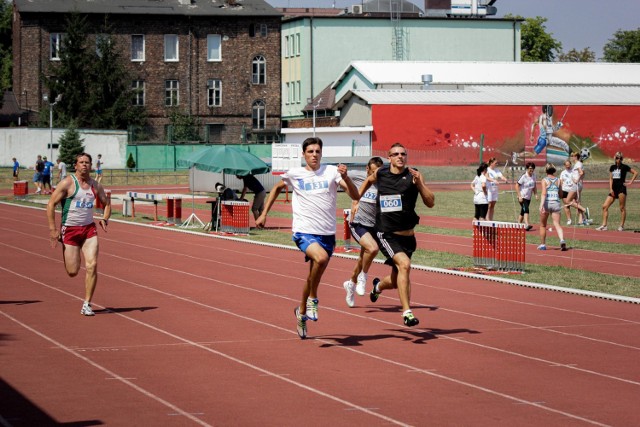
[494,176]
[568,186]
[526,186]
[573,197]
[479,187]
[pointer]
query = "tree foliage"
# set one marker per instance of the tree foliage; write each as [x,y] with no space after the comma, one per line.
[6,59]
[537,45]
[95,84]
[70,144]
[584,55]
[623,47]
[184,127]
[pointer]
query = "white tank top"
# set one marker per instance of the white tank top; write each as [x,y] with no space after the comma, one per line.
[77,210]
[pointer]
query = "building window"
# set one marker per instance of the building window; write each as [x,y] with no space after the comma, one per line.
[298,92]
[171,93]
[214,133]
[258,115]
[171,47]
[137,87]
[137,47]
[102,40]
[258,30]
[287,94]
[297,44]
[214,47]
[259,70]
[55,43]
[286,46]
[214,93]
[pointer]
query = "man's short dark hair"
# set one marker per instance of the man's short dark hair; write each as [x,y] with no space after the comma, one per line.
[83,155]
[311,141]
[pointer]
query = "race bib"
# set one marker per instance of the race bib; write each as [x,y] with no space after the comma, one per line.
[615,174]
[391,203]
[84,204]
[314,186]
[552,195]
[369,196]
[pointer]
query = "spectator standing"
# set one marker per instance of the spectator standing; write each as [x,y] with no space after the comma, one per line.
[479,188]
[16,169]
[37,177]
[315,190]
[99,164]
[62,170]
[617,190]
[46,175]
[494,176]
[526,187]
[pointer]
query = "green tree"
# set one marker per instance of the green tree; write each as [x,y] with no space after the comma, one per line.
[70,144]
[131,163]
[184,127]
[537,45]
[623,47]
[585,55]
[6,59]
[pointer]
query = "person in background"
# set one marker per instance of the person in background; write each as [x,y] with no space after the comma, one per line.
[363,220]
[78,233]
[315,192]
[568,186]
[574,200]
[16,169]
[46,176]
[617,190]
[526,187]
[494,176]
[250,182]
[479,188]
[550,204]
[99,164]
[62,170]
[37,176]
[396,217]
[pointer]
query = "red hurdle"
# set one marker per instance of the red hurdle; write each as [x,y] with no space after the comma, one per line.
[499,245]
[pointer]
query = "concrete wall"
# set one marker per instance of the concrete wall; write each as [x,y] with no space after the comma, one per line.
[26,143]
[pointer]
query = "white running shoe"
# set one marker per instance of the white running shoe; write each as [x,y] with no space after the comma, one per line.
[86,309]
[362,284]
[301,323]
[312,309]
[621,228]
[602,228]
[351,297]
[568,222]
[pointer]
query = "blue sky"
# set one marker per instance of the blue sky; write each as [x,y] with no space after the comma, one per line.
[575,23]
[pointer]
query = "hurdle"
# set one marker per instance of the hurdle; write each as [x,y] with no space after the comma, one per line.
[499,245]
[234,217]
[155,198]
[174,210]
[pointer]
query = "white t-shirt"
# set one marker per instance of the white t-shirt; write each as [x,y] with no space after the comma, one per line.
[568,185]
[314,199]
[527,184]
[479,198]
[576,173]
[63,168]
[492,187]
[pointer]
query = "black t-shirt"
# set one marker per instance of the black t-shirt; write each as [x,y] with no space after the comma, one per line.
[396,201]
[39,166]
[619,174]
[252,183]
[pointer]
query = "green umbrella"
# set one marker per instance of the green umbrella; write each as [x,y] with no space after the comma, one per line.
[225,159]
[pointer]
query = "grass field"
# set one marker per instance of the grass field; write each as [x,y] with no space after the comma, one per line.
[459,204]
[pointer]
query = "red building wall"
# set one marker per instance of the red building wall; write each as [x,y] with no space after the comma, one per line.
[451,134]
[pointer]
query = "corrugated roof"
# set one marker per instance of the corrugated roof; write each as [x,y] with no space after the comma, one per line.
[151,7]
[505,95]
[453,72]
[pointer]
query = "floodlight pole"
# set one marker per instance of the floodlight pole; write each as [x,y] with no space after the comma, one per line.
[45,98]
[315,107]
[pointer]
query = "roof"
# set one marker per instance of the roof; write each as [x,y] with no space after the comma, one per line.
[310,11]
[323,101]
[455,72]
[151,7]
[505,95]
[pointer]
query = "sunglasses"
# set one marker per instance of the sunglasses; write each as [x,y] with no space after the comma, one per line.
[397,154]
[618,158]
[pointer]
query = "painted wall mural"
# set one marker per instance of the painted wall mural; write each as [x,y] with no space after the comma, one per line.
[455,134]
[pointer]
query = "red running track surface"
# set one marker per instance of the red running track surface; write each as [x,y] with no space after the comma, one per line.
[197,330]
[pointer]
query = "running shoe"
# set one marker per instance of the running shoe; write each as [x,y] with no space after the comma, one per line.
[569,222]
[563,245]
[362,284]
[410,319]
[602,228]
[621,228]
[312,309]
[374,295]
[529,227]
[351,297]
[542,247]
[86,309]
[301,324]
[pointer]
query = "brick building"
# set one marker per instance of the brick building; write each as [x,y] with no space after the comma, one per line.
[216,60]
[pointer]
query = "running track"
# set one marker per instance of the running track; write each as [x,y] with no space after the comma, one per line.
[194,330]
